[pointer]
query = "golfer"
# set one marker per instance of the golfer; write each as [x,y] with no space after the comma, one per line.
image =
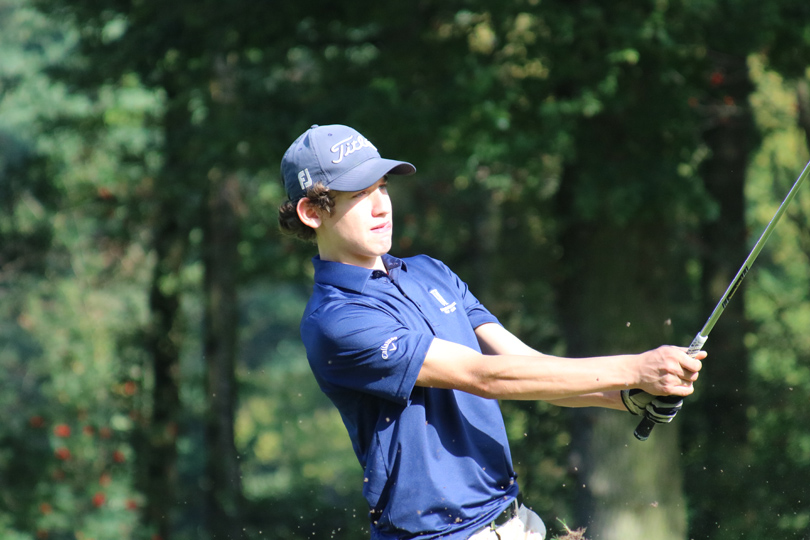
[416,365]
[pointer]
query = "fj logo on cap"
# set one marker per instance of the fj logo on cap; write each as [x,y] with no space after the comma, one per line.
[349,146]
[446,308]
[304,179]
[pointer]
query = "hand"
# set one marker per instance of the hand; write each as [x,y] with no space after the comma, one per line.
[668,371]
[659,409]
[636,400]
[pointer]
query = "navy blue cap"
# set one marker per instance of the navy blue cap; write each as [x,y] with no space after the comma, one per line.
[338,157]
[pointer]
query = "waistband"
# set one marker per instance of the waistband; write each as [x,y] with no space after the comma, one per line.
[510,512]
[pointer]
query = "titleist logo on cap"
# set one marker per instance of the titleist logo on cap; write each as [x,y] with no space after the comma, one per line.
[349,146]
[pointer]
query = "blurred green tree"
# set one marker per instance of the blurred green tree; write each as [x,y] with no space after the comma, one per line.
[777,303]
[571,159]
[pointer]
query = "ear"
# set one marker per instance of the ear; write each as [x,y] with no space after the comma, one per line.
[308,214]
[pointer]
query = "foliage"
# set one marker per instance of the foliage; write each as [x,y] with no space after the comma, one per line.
[578,534]
[778,309]
[67,465]
[117,118]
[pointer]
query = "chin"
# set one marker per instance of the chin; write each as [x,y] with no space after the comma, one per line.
[381,247]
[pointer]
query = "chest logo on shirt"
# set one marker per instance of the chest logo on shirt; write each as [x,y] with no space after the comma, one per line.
[388,347]
[446,308]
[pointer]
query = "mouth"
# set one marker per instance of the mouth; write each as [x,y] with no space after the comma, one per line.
[383,227]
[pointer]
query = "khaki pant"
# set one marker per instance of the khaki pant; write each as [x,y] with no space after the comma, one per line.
[525,526]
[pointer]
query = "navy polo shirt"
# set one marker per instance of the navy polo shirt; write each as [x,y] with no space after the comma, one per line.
[437,462]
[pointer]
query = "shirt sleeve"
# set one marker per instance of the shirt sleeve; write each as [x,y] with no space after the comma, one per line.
[477,314]
[363,348]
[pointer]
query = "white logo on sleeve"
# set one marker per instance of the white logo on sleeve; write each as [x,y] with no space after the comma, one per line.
[446,308]
[388,347]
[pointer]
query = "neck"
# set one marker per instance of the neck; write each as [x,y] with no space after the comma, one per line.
[371,263]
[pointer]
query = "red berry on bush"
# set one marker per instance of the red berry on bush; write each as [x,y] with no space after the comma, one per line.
[130,388]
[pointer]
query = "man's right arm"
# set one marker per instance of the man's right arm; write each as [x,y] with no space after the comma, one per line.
[663,371]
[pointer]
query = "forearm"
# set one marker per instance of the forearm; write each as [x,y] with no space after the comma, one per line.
[523,377]
[494,339]
[566,382]
[608,400]
[571,382]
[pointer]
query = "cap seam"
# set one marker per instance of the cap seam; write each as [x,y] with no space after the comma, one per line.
[320,163]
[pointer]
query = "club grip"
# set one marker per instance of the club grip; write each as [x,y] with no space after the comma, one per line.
[646,425]
[644,429]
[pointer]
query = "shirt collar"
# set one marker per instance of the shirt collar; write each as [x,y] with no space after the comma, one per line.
[347,276]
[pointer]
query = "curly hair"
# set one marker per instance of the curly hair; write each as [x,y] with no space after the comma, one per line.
[288,220]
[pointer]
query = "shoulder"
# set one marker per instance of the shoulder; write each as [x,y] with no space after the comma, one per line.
[330,307]
[425,263]
[433,270]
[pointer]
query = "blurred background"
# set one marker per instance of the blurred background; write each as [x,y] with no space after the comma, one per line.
[596,172]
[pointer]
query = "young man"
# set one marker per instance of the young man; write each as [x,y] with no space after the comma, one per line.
[415,364]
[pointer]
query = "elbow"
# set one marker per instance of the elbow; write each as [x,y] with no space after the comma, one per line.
[484,384]
[454,366]
[487,393]
[495,378]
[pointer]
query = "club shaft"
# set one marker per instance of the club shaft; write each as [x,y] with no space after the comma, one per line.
[749,261]
[646,425]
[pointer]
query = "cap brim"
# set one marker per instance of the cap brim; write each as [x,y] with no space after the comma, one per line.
[368,172]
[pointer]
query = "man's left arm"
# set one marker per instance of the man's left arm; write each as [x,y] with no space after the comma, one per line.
[494,339]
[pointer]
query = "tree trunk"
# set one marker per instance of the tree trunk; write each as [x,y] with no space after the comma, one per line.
[615,297]
[221,258]
[221,326]
[722,394]
[165,335]
[803,101]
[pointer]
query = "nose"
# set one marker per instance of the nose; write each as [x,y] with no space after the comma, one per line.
[380,203]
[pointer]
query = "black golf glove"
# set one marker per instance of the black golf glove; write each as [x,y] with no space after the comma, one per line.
[659,409]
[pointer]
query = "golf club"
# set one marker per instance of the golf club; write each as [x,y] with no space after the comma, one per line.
[646,425]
